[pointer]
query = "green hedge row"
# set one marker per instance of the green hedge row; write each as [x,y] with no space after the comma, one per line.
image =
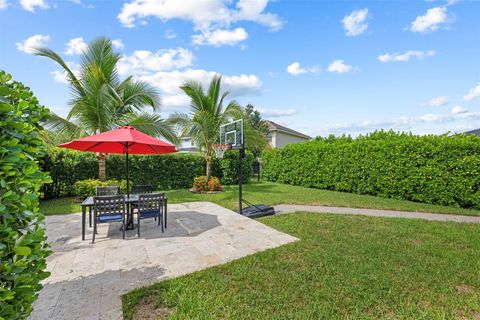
[23,246]
[432,169]
[172,171]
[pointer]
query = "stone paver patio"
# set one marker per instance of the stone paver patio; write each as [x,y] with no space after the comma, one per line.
[88,279]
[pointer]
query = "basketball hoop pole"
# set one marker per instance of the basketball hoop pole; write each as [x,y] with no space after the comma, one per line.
[240,178]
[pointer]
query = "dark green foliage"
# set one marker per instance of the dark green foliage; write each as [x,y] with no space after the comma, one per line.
[22,234]
[171,171]
[231,169]
[431,169]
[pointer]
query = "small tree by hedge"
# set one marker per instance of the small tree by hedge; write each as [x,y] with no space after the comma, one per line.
[22,234]
[442,170]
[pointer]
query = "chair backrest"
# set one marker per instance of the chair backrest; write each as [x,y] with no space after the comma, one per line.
[109,205]
[149,202]
[107,191]
[142,189]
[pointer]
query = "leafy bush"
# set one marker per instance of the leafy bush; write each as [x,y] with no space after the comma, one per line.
[23,247]
[87,188]
[231,169]
[200,184]
[431,169]
[170,171]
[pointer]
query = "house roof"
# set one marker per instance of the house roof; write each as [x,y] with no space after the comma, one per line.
[475,132]
[273,126]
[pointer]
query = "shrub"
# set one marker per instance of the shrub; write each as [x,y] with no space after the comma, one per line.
[214,184]
[442,170]
[87,188]
[163,172]
[200,184]
[23,247]
[231,169]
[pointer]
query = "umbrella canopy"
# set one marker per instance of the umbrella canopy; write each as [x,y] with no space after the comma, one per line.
[123,140]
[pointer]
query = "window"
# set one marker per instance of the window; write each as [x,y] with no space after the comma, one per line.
[269,137]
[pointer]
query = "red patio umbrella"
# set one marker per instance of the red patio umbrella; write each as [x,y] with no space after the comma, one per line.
[124,140]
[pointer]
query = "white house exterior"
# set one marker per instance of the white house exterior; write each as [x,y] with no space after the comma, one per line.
[279,136]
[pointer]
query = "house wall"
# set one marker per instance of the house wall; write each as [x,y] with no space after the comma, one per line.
[281,139]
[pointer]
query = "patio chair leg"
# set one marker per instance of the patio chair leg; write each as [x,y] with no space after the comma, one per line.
[90,217]
[94,228]
[160,219]
[124,227]
[138,225]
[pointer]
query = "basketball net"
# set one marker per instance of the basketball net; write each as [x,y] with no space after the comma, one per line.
[220,149]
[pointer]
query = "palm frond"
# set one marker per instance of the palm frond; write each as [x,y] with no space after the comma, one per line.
[154,125]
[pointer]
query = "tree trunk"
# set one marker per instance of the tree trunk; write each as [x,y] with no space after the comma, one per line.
[101,166]
[209,167]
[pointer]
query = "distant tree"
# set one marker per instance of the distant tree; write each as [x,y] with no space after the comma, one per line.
[256,131]
[207,114]
[101,101]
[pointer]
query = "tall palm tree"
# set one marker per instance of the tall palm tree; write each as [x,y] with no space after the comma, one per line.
[207,114]
[102,101]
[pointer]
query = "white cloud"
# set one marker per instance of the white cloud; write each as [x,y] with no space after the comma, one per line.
[203,13]
[220,37]
[144,61]
[118,44]
[3,4]
[295,69]
[30,5]
[273,113]
[61,76]
[355,23]
[339,66]
[458,110]
[170,82]
[431,20]
[76,46]
[403,57]
[36,41]
[170,34]
[404,122]
[473,94]
[436,102]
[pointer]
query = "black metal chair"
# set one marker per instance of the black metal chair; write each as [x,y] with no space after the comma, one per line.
[108,209]
[107,191]
[150,206]
[103,191]
[142,189]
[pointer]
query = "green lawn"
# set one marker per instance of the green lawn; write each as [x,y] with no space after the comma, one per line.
[274,193]
[344,267]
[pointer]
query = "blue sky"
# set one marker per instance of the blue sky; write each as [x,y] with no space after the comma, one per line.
[320,67]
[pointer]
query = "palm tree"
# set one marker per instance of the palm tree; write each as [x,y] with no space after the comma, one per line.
[207,114]
[101,101]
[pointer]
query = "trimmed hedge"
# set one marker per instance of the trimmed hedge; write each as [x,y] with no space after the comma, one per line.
[231,169]
[431,169]
[172,171]
[23,247]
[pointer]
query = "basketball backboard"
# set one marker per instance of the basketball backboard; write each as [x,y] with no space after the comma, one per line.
[232,134]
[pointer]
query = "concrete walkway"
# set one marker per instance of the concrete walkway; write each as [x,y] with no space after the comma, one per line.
[287,208]
[87,280]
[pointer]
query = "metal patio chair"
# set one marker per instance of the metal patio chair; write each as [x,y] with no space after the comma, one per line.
[108,209]
[150,206]
[107,191]
[142,189]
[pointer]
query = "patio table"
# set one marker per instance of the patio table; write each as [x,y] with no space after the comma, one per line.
[129,201]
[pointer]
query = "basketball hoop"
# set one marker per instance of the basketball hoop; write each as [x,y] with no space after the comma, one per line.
[220,149]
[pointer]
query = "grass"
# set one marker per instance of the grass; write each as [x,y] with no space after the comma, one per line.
[274,193]
[344,267]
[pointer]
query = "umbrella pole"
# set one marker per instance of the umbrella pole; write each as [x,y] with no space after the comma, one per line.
[128,175]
